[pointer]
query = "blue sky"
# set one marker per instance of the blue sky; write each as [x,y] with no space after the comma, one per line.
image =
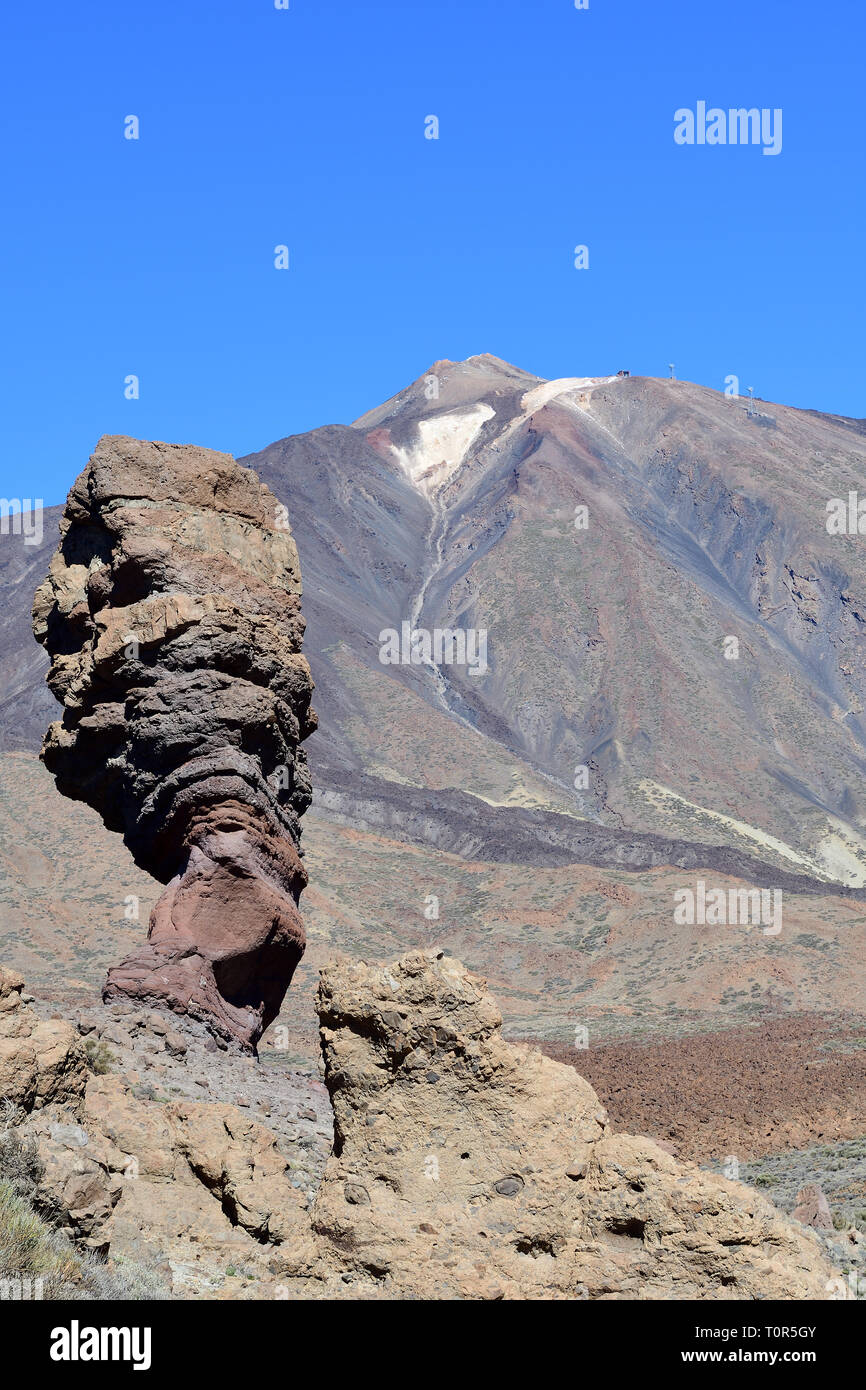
[305,127]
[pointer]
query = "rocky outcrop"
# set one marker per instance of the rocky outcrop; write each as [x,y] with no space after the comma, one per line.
[468,1167]
[172,1156]
[172,617]
[463,1166]
[41,1060]
[188,1188]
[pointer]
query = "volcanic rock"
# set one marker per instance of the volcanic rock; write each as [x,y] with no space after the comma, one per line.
[172,617]
[463,1166]
[140,1179]
[813,1209]
[41,1060]
[466,1166]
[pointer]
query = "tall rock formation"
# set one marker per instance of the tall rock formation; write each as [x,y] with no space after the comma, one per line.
[172,617]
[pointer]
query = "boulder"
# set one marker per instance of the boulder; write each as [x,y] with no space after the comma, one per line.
[181,1186]
[468,1167]
[813,1209]
[41,1060]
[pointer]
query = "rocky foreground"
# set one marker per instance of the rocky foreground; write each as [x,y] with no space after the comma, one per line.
[462,1166]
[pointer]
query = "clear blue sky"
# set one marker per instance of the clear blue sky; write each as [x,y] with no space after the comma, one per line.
[306,127]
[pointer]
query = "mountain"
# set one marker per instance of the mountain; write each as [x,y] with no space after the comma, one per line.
[697,646]
[610,647]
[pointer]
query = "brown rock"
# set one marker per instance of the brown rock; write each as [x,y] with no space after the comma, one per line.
[491,1156]
[40,1061]
[193,1183]
[500,1179]
[238,1160]
[172,616]
[82,1175]
[813,1209]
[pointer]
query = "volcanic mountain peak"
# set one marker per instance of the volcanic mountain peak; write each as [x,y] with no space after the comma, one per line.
[449,385]
[663,605]
[455,505]
[438,422]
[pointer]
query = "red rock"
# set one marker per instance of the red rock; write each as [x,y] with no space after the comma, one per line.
[813,1209]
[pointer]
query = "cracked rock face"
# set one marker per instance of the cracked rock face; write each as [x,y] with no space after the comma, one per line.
[465,1166]
[41,1060]
[172,617]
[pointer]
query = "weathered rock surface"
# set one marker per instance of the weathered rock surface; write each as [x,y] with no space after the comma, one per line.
[191,1163]
[189,1188]
[172,617]
[465,1166]
[41,1060]
[813,1209]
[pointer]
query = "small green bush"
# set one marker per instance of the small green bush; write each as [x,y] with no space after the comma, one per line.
[30,1249]
[20,1164]
[100,1058]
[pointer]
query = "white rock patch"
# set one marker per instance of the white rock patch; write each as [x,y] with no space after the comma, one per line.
[548,390]
[443,443]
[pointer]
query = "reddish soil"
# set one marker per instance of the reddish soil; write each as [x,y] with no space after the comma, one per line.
[784,1084]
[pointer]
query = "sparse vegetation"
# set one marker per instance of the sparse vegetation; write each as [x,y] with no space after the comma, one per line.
[33,1249]
[100,1057]
[20,1165]
[30,1249]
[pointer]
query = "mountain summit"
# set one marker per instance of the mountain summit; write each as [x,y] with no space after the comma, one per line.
[673,636]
